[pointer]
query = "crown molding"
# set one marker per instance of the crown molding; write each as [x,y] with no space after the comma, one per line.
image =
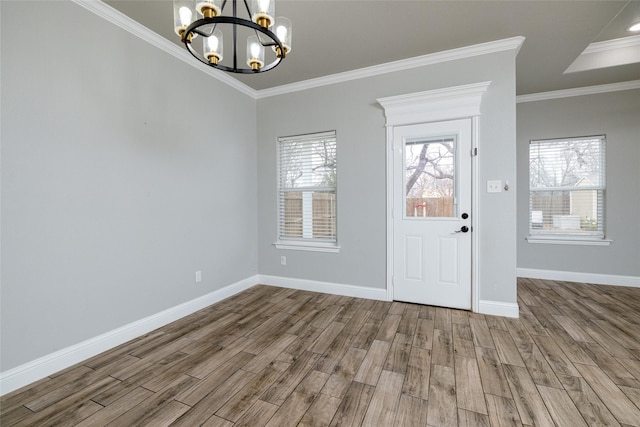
[615,44]
[579,91]
[439,104]
[118,18]
[123,21]
[513,43]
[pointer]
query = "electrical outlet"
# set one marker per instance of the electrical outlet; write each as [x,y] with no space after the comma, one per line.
[283,260]
[494,186]
[198,276]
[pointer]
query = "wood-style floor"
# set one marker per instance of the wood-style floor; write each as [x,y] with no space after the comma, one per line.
[280,357]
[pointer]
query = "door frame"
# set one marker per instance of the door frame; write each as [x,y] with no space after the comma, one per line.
[458,102]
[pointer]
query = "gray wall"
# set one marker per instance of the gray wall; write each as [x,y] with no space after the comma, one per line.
[616,114]
[351,109]
[120,179]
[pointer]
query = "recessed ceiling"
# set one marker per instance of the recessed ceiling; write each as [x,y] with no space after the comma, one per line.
[330,37]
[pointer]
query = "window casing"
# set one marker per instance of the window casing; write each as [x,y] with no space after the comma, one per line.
[307,184]
[567,188]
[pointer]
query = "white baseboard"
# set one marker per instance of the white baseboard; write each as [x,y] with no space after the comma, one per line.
[324,287]
[494,308]
[37,369]
[569,276]
[497,308]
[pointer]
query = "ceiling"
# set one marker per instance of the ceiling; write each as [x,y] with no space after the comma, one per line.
[331,36]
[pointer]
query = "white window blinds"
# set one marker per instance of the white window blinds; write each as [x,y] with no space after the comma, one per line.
[567,187]
[307,188]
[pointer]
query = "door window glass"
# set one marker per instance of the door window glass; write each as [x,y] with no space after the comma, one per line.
[430,177]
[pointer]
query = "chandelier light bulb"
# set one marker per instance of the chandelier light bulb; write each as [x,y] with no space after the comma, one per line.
[213,47]
[263,11]
[283,32]
[263,6]
[185,16]
[213,43]
[183,11]
[255,53]
[255,50]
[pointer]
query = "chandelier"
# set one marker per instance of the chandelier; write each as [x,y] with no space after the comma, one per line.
[250,20]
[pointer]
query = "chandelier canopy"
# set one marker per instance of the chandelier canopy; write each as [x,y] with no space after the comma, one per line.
[250,20]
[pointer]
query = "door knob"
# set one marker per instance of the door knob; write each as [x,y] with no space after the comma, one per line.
[463,229]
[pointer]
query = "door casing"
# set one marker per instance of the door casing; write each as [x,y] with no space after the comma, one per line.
[458,102]
[425,284]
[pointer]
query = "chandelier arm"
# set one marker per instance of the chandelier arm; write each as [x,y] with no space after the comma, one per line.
[246,5]
[266,43]
[204,33]
[234,21]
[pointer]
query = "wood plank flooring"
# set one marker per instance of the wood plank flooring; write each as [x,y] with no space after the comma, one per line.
[280,357]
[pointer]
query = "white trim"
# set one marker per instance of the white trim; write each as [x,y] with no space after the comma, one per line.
[440,104]
[569,276]
[121,20]
[587,90]
[568,241]
[307,246]
[37,369]
[390,213]
[324,287]
[614,44]
[498,308]
[608,53]
[475,216]
[434,105]
[513,43]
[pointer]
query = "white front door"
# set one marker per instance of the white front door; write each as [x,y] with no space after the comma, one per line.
[432,213]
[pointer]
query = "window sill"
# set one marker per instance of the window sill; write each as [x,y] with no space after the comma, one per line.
[569,241]
[308,246]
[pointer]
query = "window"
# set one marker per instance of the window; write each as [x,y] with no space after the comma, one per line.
[566,188]
[429,177]
[307,192]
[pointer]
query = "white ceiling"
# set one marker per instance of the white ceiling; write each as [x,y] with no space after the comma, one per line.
[331,36]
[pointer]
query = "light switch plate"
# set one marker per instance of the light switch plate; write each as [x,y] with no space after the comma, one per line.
[494,186]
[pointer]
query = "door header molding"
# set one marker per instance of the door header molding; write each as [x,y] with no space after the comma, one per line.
[434,105]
